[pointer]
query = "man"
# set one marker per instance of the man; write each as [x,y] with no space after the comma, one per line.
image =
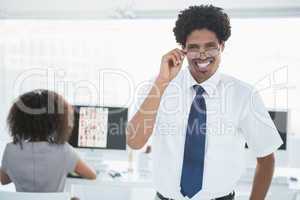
[201,118]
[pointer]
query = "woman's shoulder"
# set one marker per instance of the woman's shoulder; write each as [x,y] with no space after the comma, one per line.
[62,148]
[11,149]
[66,147]
[11,145]
[39,146]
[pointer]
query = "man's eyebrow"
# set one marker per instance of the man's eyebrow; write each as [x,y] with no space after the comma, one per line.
[208,44]
[211,44]
[193,46]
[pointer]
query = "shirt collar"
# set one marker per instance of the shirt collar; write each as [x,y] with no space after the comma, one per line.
[210,85]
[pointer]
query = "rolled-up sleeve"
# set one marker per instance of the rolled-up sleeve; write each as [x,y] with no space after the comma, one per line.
[258,128]
[72,158]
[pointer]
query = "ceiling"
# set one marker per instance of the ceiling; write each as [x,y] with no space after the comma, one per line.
[99,9]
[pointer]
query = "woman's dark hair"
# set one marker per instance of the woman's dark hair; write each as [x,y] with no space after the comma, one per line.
[202,17]
[40,115]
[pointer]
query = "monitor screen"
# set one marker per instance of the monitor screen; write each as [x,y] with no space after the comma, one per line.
[99,127]
[280,119]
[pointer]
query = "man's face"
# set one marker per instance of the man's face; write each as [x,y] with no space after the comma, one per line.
[203,52]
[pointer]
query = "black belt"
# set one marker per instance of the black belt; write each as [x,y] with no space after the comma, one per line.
[227,197]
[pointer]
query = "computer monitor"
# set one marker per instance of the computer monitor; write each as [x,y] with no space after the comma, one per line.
[280,119]
[98,127]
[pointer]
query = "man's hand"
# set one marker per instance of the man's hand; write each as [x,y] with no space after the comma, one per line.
[140,127]
[170,65]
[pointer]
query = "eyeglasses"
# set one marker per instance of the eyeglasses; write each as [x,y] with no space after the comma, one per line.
[195,52]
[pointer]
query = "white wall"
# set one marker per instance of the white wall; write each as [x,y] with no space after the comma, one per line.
[69,55]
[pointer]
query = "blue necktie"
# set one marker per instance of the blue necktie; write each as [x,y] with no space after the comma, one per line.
[194,149]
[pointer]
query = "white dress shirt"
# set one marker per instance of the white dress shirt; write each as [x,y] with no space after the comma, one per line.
[235,115]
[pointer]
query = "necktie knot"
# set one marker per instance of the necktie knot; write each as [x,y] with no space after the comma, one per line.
[199,89]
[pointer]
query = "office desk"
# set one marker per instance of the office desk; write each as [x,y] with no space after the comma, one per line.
[112,193]
[132,179]
[282,186]
[293,175]
[130,186]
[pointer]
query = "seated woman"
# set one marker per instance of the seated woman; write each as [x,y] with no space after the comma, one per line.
[39,158]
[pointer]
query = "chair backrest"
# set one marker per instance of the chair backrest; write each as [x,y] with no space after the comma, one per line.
[33,196]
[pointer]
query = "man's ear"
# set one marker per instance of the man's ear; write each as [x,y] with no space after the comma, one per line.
[222,46]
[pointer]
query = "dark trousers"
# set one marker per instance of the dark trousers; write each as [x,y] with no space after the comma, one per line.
[227,197]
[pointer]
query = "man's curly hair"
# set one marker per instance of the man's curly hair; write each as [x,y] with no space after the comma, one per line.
[199,17]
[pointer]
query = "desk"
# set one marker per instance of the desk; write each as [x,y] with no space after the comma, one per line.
[281,188]
[130,186]
[112,193]
[293,185]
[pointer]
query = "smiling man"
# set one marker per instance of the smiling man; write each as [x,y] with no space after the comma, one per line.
[202,118]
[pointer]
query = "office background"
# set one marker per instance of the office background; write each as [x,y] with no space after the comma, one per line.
[100,52]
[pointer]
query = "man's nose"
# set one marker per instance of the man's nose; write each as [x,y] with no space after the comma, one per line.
[202,54]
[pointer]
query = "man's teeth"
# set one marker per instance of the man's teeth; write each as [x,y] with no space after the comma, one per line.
[203,65]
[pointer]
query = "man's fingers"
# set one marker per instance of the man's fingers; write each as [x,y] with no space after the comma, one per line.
[177,56]
[181,53]
[172,60]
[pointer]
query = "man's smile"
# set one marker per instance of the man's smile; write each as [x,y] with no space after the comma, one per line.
[202,65]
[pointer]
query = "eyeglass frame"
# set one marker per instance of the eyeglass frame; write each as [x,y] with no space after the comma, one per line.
[206,51]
